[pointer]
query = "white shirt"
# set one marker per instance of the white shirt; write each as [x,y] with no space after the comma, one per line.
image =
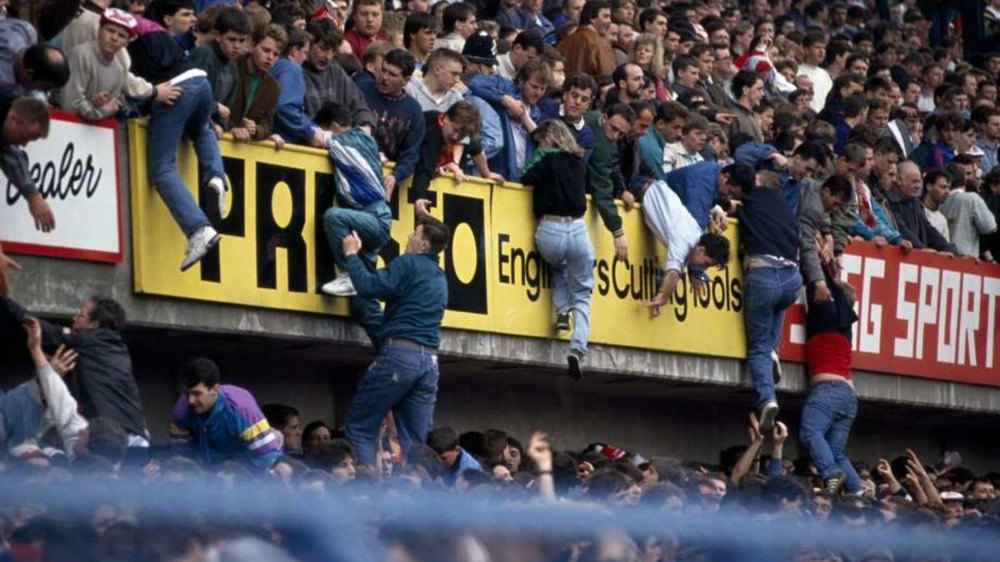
[506,68]
[671,223]
[676,156]
[822,84]
[925,103]
[428,101]
[968,219]
[939,222]
[579,125]
[453,41]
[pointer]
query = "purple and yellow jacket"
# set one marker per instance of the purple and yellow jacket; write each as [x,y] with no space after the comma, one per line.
[235,429]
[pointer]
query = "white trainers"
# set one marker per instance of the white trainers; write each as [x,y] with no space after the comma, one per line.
[340,287]
[218,187]
[198,245]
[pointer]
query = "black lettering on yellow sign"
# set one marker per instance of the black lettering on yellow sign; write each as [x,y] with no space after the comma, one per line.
[271,235]
[326,191]
[515,266]
[723,293]
[235,222]
[469,211]
[635,280]
[632,280]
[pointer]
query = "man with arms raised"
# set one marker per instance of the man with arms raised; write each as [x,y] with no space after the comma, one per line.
[404,377]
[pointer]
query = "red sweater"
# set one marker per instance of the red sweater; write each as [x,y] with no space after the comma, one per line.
[359,42]
[829,352]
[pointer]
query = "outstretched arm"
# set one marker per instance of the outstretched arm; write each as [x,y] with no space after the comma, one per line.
[61,405]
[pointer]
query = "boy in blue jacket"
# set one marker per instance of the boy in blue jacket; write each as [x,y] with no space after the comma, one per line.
[361,206]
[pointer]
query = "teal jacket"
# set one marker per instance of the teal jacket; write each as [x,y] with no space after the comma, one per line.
[415,293]
[651,149]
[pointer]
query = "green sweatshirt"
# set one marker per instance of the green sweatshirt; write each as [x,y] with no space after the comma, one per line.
[604,176]
[221,75]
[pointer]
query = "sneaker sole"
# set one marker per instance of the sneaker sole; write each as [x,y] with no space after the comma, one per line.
[575,371]
[337,289]
[767,418]
[838,482]
[333,293]
[211,244]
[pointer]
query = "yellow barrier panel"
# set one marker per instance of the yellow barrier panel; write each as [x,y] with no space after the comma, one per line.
[274,254]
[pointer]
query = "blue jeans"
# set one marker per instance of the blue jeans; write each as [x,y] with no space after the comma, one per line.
[21,410]
[827,416]
[168,124]
[566,248]
[768,292]
[372,224]
[403,381]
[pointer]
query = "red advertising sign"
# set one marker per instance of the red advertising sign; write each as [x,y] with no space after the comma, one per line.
[922,315]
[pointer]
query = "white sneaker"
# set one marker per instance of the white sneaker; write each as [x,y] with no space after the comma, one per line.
[198,245]
[218,187]
[340,287]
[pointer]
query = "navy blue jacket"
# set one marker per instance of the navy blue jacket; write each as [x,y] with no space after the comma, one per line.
[697,186]
[584,135]
[415,291]
[767,225]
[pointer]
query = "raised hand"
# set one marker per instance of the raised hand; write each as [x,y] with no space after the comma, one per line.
[540,451]
[63,361]
[34,329]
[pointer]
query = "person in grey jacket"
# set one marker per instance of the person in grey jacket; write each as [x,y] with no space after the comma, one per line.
[818,201]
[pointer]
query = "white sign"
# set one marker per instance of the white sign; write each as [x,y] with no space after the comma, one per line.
[76,170]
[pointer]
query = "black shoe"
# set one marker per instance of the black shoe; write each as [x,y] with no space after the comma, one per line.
[575,363]
[833,484]
[775,367]
[562,322]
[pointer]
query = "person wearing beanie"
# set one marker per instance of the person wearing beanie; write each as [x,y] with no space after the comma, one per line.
[99,71]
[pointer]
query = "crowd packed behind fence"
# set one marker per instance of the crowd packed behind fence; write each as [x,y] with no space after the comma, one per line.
[480,496]
[814,124]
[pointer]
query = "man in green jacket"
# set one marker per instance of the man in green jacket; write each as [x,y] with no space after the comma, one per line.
[217,59]
[604,176]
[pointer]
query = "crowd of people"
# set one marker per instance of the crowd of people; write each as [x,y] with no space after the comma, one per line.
[241,482]
[814,124]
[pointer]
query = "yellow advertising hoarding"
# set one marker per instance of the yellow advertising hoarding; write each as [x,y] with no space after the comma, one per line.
[274,254]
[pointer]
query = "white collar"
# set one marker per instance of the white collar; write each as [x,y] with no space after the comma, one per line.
[578,125]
